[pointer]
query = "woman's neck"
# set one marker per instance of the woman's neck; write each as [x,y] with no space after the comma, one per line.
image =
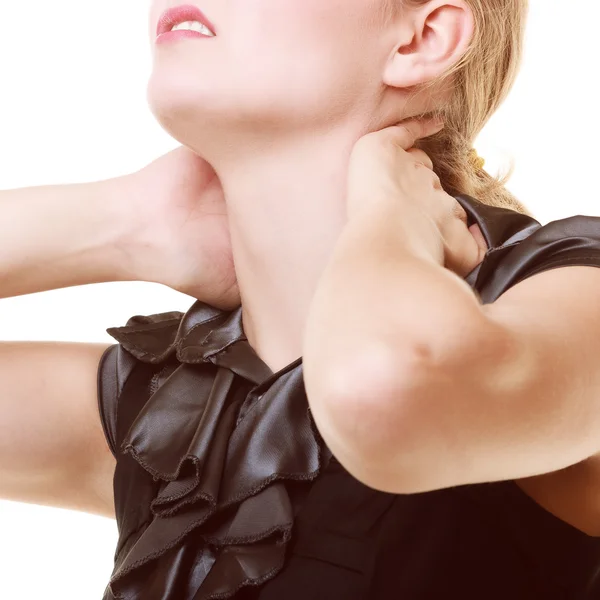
[286,211]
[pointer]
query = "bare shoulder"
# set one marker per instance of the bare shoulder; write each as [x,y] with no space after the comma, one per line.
[53,449]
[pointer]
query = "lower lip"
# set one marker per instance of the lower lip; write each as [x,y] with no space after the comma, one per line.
[179,34]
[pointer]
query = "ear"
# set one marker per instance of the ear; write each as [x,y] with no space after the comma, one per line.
[432,38]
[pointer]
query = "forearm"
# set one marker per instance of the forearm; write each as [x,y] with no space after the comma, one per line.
[62,236]
[385,313]
[385,286]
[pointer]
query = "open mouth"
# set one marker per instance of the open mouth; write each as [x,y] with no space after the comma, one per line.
[187,19]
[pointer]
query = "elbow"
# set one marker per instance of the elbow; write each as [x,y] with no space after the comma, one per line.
[420,421]
[415,419]
[376,420]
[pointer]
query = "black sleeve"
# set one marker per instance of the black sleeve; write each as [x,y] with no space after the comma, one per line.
[574,241]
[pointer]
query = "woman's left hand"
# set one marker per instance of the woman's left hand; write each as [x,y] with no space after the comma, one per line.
[388,174]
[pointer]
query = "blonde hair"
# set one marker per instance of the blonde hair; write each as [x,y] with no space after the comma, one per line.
[480,83]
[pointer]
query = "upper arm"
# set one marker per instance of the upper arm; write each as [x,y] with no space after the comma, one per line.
[542,401]
[554,318]
[519,398]
[555,315]
[53,449]
[523,396]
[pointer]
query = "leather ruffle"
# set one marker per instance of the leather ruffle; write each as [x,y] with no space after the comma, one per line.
[224,516]
[231,464]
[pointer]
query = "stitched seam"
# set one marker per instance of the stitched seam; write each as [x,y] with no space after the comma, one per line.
[127,330]
[209,333]
[215,318]
[154,382]
[129,342]
[207,356]
[144,351]
[156,377]
[285,532]
[199,522]
[247,582]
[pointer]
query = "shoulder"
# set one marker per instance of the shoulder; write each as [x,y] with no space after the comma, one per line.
[520,246]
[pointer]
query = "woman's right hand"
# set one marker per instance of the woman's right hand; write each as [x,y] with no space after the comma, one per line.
[181,228]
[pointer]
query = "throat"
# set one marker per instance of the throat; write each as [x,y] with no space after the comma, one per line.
[274,313]
[286,211]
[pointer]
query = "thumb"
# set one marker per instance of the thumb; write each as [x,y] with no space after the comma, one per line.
[406,134]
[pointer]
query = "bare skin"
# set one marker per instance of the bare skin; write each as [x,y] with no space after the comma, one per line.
[165,224]
[149,236]
[52,447]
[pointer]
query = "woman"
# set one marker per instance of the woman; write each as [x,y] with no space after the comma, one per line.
[451,444]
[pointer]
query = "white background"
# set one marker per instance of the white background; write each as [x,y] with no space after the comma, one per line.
[73,108]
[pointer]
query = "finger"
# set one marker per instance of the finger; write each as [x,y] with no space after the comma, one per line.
[459,212]
[479,238]
[407,133]
[462,252]
[421,157]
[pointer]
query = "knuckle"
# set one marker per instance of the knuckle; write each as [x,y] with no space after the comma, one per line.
[420,156]
[405,137]
[363,143]
[459,212]
[404,130]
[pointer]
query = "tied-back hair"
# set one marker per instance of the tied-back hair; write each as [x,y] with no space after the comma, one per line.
[479,83]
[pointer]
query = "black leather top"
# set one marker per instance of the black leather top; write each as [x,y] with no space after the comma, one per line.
[224,488]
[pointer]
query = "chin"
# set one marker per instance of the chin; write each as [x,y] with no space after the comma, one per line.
[185,110]
[211,115]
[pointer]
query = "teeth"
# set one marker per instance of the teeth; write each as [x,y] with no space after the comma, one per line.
[193,26]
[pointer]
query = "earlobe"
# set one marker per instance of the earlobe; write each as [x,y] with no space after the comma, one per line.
[439,34]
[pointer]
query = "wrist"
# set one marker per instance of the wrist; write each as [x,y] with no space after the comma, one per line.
[60,236]
[120,239]
[395,225]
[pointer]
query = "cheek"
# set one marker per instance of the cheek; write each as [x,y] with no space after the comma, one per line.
[157,7]
[303,46]
[303,60]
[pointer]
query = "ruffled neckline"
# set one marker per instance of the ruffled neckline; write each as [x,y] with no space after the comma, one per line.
[202,334]
[230,464]
[228,459]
